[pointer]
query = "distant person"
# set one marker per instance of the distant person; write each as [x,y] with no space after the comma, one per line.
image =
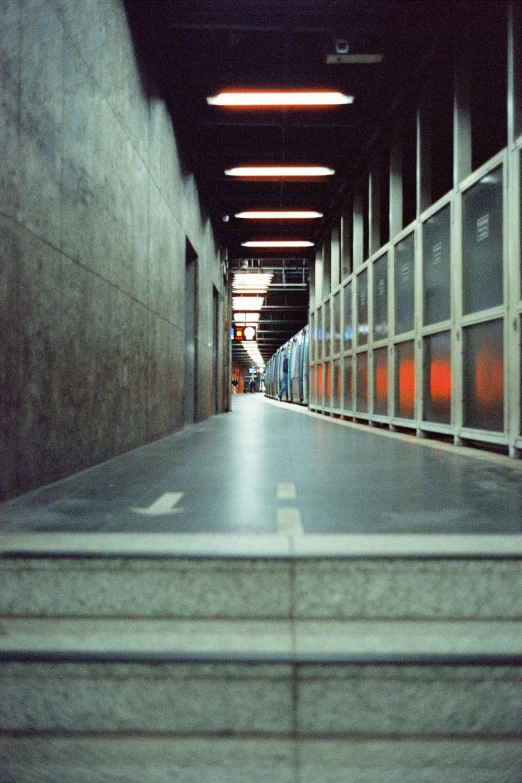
[284,387]
[234,385]
[252,387]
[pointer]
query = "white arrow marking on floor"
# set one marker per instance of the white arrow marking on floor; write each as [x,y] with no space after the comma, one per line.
[163,505]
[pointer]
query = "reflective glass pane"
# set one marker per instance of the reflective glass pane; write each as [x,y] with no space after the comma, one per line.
[320,384]
[405,380]
[362,308]
[437,378]
[328,384]
[362,382]
[313,336]
[436,254]
[380,381]
[337,382]
[380,298]
[313,389]
[482,245]
[348,383]
[337,323]
[404,285]
[319,354]
[348,322]
[327,330]
[484,376]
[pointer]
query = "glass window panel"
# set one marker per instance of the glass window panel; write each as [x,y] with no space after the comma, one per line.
[484,376]
[405,380]
[337,323]
[380,381]
[362,308]
[313,390]
[436,253]
[319,354]
[348,322]
[348,383]
[362,382]
[337,383]
[404,285]
[313,336]
[482,245]
[327,330]
[320,384]
[380,298]
[328,384]
[437,378]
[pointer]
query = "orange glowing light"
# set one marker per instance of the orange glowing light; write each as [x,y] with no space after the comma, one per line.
[381,383]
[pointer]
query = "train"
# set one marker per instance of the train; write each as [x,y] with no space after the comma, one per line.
[298,351]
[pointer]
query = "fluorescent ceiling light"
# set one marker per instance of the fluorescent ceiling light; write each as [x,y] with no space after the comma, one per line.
[245,281]
[279,171]
[246,318]
[280,215]
[247,303]
[279,243]
[280,98]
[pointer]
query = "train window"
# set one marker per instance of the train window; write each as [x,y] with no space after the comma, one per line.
[337,383]
[327,330]
[482,244]
[319,316]
[436,253]
[484,376]
[436,391]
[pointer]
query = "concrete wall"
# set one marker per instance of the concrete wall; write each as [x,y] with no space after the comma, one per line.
[95,211]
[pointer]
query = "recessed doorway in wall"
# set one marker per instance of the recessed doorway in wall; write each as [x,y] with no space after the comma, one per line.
[191,336]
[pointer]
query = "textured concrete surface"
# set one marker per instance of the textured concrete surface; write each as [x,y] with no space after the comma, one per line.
[274,700]
[121,760]
[94,214]
[262,587]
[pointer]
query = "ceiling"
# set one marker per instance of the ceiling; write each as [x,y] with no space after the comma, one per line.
[193,49]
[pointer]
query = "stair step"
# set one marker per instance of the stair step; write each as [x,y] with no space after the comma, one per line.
[237,760]
[286,679]
[270,577]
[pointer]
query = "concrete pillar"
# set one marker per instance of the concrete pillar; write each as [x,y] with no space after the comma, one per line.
[395,186]
[358,231]
[374,218]
[335,255]
[424,138]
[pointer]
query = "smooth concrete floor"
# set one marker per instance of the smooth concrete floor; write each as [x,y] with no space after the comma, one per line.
[270,467]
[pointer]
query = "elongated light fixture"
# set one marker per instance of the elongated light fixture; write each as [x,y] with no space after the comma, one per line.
[279,171]
[278,243]
[280,98]
[279,215]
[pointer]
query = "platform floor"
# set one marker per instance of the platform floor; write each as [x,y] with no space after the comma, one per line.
[270,467]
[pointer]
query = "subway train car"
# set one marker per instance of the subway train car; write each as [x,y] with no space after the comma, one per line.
[298,369]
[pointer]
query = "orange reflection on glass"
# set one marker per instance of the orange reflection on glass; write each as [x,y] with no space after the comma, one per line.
[440,381]
[407,386]
[329,381]
[381,383]
[489,377]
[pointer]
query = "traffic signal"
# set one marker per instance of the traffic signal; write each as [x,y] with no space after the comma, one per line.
[245,334]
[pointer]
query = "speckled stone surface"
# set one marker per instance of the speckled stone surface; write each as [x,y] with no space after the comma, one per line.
[231,760]
[180,698]
[408,588]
